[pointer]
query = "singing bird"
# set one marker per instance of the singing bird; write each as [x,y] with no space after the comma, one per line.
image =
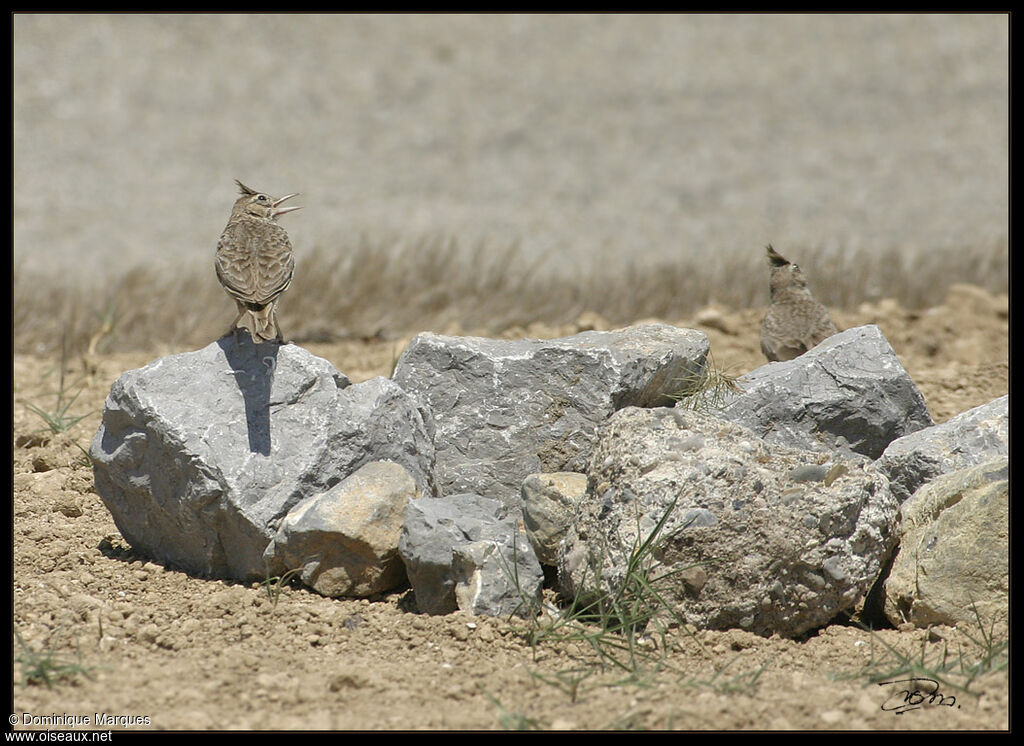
[795,321]
[255,262]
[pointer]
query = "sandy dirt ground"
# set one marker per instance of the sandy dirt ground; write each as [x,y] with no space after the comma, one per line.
[159,649]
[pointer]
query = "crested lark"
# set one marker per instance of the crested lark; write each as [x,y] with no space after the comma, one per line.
[254,261]
[795,321]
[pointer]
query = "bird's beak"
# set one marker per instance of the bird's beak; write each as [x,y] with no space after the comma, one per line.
[282,210]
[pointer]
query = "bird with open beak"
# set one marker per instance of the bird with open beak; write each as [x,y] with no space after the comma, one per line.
[254,261]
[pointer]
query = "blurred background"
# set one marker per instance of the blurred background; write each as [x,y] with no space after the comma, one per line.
[549,164]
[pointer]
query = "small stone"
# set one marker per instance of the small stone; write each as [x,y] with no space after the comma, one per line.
[148,633]
[714,318]
[548,503]
[694,578]
[346,680]
[344,542]
[67,504]
[808,473]
[836,471]
[832,717]
[468,552]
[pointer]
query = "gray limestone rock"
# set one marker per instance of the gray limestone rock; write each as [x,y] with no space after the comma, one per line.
[954,554]
[200,455]
[469,552]
[850,393]
[344,542]
[508,409]
[972,437]
[741,537]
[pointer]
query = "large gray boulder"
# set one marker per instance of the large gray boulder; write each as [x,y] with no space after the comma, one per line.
[752,535]
[850,393]
[972,437]
[469,552]
[953,565]
[200,455]
[508,409]
[344,542]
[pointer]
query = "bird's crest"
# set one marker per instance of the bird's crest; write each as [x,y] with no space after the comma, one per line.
[244,190]
[776,259]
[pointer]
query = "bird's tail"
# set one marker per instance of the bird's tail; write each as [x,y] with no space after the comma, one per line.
[263,328]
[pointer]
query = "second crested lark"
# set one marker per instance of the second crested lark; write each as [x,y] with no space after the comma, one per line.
[254,261]
[795,321]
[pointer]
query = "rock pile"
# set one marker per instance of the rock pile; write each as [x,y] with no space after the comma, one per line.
[483,462]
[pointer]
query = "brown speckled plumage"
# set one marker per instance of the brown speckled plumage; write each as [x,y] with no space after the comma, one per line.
[254,261]
[795,321]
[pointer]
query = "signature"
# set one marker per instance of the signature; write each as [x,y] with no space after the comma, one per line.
[917,693]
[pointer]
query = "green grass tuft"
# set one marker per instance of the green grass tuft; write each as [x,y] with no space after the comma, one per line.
[47,667]
[275,585]
[952,669]
[58,418]
[707,389]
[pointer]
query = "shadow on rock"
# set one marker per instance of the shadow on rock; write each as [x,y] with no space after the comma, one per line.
[253,366]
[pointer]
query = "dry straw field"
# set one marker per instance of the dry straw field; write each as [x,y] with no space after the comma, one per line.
[372,289]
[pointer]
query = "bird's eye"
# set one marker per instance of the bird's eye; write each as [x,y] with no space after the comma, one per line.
[262,198]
